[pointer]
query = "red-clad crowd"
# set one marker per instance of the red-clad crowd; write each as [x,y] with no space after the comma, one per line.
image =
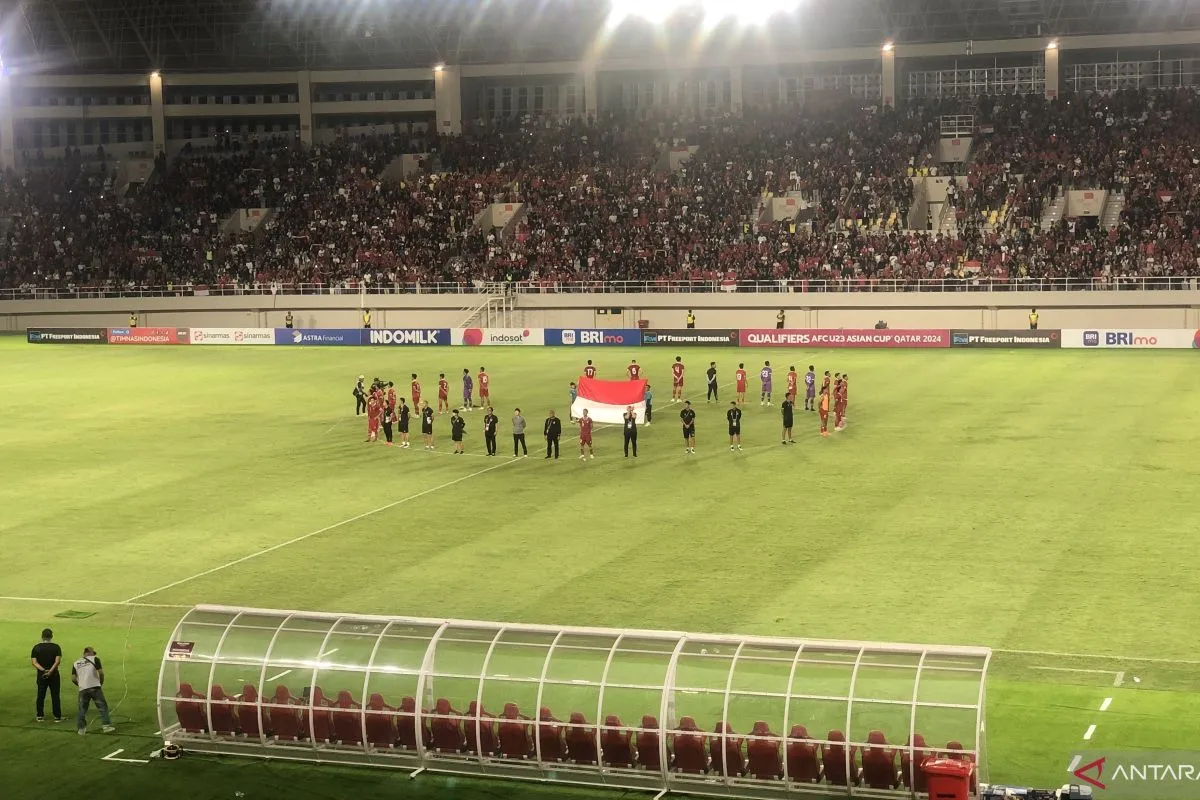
[601,202]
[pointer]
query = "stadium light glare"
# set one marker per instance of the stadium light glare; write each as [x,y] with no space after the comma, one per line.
[1053,45]
[888,47]
[746,12]
[438,67]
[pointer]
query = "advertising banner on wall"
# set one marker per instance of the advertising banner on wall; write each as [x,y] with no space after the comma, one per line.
[1133,338]
[867,337]
[690,336]
[498,336]
[232,335]
[319,336]
[408,336]
[66,335]
[149,335]
[1012,340]
[593,337]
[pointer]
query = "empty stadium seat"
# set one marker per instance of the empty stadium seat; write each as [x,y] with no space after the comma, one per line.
[616,746]
[879,763]
[802,764]
[381,723]
[911,773]
[515,734]
[687,744]
[726,755]
[322,720]
[480,729]
[581,740]
[763,758]
[189,708]
[406,726]
[447,733]
[550,736]
[649,754]
[284,722]
[347,720]
[833,757]
[248,715]
[221,711]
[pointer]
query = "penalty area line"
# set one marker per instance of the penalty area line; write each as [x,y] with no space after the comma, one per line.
[320,531]
[1099,657]
[90,602]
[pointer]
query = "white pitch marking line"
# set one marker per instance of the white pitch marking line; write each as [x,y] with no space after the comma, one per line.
[318,532]
[1077,669]
[92,602]
[1107,702]
[1098,656]
[280,675]
[1074,763]
[1119,679]
[113,757]
[1088,735]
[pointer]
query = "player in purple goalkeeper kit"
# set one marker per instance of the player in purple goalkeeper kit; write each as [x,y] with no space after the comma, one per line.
[764,375]
[468,388]
[810,389]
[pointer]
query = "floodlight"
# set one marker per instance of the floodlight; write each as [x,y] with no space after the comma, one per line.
[438,67]
[888,47]
[1053,45]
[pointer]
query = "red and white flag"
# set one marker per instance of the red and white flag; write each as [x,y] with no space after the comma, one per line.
[607,401]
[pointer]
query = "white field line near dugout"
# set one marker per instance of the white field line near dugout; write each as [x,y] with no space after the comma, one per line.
[319,531]
[1088,656]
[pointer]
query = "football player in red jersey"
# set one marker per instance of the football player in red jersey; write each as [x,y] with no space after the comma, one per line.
[485,387]
[374,411]
[740,378]
[391,398]
[416,391]
[634,370]
[585,435]
[443,393]
[792,380]
[677,379]
[839,404]
[589,371]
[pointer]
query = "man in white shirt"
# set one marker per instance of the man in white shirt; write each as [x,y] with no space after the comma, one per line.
[88,675]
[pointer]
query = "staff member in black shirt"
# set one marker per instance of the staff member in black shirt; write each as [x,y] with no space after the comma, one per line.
[427,424]
[458,426]
[630,426]
[389,416]
[688,418]
[490,421]
[46,658]
[734,417]
[780,318]
[552,430]
[786,407]
[712,381]
[288,320]
[360,396]
[403,414]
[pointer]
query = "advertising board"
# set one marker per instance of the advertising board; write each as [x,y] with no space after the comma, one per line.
[232,335]
[834,337]
[690,336]
[149,335]
[593,337]
[66,335]
[319,336]
[408,336]
[1011,340]
[498,336]
[1133,339]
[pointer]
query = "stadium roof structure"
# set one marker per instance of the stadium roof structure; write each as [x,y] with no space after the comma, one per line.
[102,36]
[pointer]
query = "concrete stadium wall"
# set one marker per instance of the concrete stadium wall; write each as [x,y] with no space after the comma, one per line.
[988,310]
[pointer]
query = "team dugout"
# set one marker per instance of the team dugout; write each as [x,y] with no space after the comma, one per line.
[719,715]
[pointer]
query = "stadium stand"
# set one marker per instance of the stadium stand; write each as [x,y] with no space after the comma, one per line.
[597,203]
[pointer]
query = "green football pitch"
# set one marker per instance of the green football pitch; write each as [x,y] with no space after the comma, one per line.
[1042,504]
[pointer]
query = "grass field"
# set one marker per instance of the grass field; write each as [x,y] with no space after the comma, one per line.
[1043,504]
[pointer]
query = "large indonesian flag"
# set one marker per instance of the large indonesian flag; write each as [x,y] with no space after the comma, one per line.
[606,401]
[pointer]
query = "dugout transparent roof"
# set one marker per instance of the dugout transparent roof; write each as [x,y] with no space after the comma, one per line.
[703,714]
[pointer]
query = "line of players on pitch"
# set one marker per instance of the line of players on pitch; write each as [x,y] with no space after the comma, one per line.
[380,404]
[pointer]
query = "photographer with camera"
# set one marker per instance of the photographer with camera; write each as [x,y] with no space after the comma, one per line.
[88,674]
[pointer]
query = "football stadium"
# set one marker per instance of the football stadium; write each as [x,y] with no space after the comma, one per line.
[452,398]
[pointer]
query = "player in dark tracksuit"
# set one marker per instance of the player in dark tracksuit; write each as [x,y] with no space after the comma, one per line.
[630,429]
[360,397]
[552,430]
